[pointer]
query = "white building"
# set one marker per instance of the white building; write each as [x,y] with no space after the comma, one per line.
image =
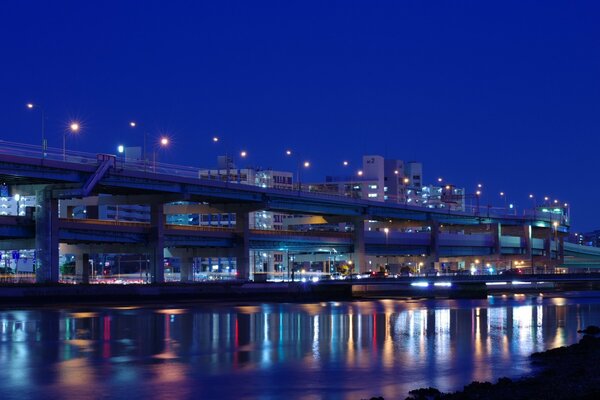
[392,181]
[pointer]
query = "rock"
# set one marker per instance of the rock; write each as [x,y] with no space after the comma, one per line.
[590,330]
[429,393]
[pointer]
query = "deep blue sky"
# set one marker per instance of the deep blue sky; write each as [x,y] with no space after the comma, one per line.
[504,93]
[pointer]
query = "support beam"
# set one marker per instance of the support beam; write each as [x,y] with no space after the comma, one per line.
[434,247]
[359,255]
[187,269]
[156,242]
[497,234]
[46,237]
[528,243]
[242,245]
[82,267]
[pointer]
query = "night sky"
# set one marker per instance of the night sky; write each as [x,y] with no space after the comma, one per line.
[503,93]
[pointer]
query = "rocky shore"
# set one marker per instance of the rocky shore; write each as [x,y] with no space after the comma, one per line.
[569,372]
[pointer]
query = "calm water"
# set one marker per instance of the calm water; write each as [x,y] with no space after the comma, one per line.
[266,351]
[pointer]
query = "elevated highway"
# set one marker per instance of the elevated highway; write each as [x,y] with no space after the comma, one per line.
[54,177]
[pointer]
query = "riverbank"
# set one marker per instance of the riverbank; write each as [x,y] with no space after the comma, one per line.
[569,372]
[57,294]
[226,291]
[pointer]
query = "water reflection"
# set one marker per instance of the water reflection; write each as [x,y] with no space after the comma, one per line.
[320,350]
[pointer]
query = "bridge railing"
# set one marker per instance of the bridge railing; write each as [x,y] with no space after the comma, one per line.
[151,166]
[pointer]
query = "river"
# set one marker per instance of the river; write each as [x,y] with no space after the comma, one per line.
[346,350]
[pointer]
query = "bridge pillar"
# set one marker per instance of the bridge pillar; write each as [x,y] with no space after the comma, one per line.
[157,243]
[359,257]
[434,247]
[82,267]
[528,242]
[561,250]
[548,251]
[242,245]
[46,237]
[187,269]
[497,233]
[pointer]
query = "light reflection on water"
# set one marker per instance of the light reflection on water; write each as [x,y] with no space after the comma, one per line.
[320,350]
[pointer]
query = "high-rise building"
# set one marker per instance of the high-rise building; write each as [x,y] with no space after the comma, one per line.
[390,180]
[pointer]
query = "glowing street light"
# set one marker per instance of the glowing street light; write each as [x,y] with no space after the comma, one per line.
[74,128]
[163,142]
[359,173]
[134,124]
[345,163]
[243,154]
[33,106]
[305,164]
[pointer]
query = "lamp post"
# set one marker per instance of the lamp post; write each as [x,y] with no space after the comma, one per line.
[121,151]
[243,154]
[503,196]
[73,128]
[386,230]
[345,163]
[162,143]
[477,195]
[532,197]
[32,106]
[134,124]
[305,164]
[555,225]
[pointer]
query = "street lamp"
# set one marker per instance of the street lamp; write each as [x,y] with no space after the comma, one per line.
[32,106]
[162,143]
[73,128]
[243,154]
[386,230]
[532,197]
[305,164]
[555,225]
[503,195]
[477,195]
[134,124]
[121,150]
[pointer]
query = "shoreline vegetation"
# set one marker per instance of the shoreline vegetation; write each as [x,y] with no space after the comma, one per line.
[568,372]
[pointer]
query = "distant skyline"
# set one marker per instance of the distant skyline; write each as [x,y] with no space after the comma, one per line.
[504,94]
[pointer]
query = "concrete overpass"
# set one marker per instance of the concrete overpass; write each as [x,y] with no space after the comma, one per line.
[53,178]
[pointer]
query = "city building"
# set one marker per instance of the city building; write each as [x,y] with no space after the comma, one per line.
[393,181]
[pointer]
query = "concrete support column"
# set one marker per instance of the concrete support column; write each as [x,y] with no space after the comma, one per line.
[359,257]
[82,267]
[242,245]
[527,240]
[156,241]
[434,247]
[46,237]
[187,269]
[548,249]
[561,250]
[497,233]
